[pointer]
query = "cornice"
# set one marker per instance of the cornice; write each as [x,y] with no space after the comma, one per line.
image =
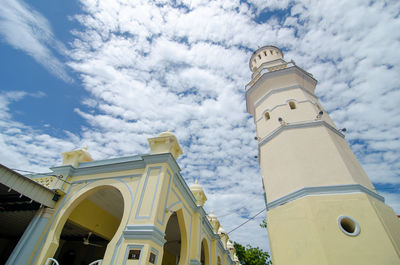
[150,232]
[323,190]
[265,74]
[289,126]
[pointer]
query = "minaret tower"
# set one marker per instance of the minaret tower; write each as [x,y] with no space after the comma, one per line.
[322,208]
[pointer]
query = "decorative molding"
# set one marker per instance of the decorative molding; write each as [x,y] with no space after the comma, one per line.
[183,188]
[66,170]
[105,178]
[162,158]
[324,190]
[138,216]
[304,124]
[166,199]
[149,232]
[283,105]
[116,164]
[110,161]
[106,168]
[250,87]
[194,262]
[277,90]
[133,198]
[265,74]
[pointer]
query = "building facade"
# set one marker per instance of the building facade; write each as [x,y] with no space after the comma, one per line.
[130,210]
[321,206]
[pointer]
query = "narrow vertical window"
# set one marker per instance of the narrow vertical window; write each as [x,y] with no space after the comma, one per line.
[259,56]
[267,116]
[292,105]
[265,53]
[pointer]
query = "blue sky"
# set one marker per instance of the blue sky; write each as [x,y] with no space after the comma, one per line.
[109,75]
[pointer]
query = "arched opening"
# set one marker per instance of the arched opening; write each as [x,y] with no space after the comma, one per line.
[267,116]
[90,227]
[204,255]
[172,247]
[219,261]
[292,105]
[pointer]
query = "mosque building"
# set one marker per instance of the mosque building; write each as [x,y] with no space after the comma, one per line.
[321,206]
[131,210]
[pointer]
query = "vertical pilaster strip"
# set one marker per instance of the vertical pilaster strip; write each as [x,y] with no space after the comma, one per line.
[26,245]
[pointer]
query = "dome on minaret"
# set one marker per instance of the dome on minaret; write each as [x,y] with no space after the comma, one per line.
[266,57]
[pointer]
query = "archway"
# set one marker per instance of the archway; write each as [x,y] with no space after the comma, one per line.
[205,254]
[175,246]
[90,227]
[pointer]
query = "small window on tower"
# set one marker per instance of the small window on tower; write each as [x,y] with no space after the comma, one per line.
[259,56]
[265,53]
[267,116]
[292,105]
[271,52]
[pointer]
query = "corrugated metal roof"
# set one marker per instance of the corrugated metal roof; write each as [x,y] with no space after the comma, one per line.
[26,187]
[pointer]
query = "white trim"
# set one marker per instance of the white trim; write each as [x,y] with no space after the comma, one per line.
[296,125]
[323,190]
[357,228]
[276,90]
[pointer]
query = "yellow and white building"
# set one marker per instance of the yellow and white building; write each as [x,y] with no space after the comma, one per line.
[322,209]
[132,210]
[321,206]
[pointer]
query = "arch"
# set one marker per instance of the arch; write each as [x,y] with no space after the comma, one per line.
[292,105]
[51,242]
[90,226]
[176,247]
[204,253]
[267,116]
[219,262]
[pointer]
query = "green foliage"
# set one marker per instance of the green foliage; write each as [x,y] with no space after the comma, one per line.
[264,223]
[251,256]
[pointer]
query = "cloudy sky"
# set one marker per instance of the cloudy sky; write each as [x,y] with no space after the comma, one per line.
[110,73]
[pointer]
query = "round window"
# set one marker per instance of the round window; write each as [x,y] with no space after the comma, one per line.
[348,225]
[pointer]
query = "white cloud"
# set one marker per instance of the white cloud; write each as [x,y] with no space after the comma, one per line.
[25,29]
[150,68]
[23,147]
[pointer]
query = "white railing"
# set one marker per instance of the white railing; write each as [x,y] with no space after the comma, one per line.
[51,261]
[96,262]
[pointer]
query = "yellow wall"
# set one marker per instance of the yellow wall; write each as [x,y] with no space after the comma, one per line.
[306,232]
[90,216]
